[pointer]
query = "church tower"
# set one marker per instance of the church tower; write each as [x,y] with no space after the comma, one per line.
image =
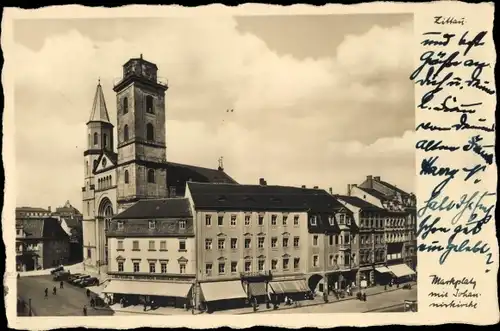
[142,153]
[99,140]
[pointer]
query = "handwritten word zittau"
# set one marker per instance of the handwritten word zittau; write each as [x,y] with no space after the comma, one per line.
[448,20]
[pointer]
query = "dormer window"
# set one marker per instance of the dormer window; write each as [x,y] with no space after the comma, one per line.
[331,220]
[120,225]
[313,220]
[341,219]
[152,225]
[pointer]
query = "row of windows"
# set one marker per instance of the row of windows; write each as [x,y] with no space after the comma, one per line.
[366,240]
[152,225]
[337,259]
[104,182]
[152,245]
[150,176]
[150,132]
[149,105]
[248,220]
[247,266]
[342,220]
[221,243]
[96,139]
[136,267]
[336,240]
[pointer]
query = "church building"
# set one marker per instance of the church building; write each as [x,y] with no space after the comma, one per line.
[137,169]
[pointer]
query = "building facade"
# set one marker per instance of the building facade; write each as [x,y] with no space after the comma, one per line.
[115,179]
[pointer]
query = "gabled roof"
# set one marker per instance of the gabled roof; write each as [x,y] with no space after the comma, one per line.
[358,202]
[47,228]
[99,111]
[111,156]
[157,208]
[261,198]
[394,188]
[374,192]
[184,172]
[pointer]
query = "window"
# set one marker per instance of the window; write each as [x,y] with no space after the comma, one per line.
[151,176]
[152,225]
[330,240]
[182,267]
[260,243]
[120,266]
[221,243]
[331,259]
[336,239]
[220,220]
[313,220]
[261,219]
[248,266]
[261,264]
[234,267]
[105,140]
[182,245]
[274,264]
[208,220]
[315,261]
[346,239]
[286,263]
[125,133]
[296,220]
[89,253]
[233,220]
[296,263]
[234,242]
[182,225]
[120,244]
[341,219]
[125,105]
[151,245]
[273,219]
[208,244]
[285,218]
[135,245]
[222,268]
[136,267]
[285,242]
[149,104]
[274,242]
[247,220]
[96,138]
[163,267]
[348,220]
[296,241]
[152,267]
[208,269]
[150,133]
[163,245]
[248,242]
[315,240]
[126,177]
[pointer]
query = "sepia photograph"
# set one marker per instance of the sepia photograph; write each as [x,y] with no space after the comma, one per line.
[215,165]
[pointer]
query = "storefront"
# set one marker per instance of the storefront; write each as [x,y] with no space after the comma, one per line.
[162,293]
[383,275]
[401,272]
[223,295]
[257,291]
[366,273]
[294,289]
[340,280]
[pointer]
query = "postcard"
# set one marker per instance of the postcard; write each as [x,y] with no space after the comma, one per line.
[240,166]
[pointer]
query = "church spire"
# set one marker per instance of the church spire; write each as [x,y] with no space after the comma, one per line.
[99,111]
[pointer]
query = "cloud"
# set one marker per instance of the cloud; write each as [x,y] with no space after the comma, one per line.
[324,122]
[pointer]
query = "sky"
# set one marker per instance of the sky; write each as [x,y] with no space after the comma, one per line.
[318,100]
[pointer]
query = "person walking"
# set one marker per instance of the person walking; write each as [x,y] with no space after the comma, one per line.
[85,310]
[88,293]
[364,296]
[61,284]
[54,290]
[46,293]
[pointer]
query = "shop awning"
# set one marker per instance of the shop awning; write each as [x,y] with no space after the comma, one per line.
[257,289]
[216,291]
[401,270]
[382,270]
[289,286]
[180,290]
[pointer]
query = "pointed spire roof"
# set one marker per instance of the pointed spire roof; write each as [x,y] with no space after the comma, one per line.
[99,111]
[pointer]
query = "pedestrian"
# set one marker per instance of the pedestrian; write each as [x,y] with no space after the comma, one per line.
[18,275]
[364,296]
[61,284]
[85,310]
[54,290]
[145,305]
[92,303]
[385,287]
[88,293]
[46,293]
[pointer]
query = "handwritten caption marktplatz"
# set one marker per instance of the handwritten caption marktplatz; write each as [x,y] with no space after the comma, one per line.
[455,81]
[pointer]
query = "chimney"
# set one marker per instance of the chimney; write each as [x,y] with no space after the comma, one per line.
[369,179]
[303,186]
[377,178]
[348,189]
[330,190]
[315,187]
[262,181]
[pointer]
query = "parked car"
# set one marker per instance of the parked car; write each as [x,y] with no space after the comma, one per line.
[90,281]
[60,268]
[73,277]
[79,279]
[61,275]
